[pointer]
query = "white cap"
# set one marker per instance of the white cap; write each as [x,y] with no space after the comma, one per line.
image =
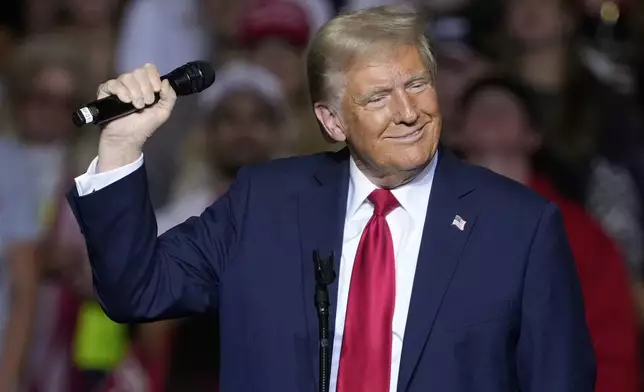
[243,76]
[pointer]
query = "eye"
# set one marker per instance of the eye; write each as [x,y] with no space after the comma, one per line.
[376,101]
[417,86]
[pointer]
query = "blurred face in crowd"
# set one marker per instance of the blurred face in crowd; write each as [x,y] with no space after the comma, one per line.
[43,113]
[535,23]
[389,114]
[244,129]
[495,126]
[285,61]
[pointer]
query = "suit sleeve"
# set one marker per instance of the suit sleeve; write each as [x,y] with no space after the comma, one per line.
[139,277]
[554,351]
[91,181]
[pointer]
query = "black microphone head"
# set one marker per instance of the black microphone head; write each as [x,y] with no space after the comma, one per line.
[191,78]
[324,268]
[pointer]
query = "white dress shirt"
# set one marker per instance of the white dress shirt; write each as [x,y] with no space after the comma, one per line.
[406,224]
[92,181]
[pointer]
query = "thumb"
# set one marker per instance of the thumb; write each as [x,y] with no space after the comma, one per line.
[167,96]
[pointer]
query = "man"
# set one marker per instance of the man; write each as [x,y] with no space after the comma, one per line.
[500,132]
[473,288]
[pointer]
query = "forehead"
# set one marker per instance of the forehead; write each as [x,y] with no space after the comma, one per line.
[385,68]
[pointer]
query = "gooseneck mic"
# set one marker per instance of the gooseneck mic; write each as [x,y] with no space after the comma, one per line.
[190,78]
[324,276]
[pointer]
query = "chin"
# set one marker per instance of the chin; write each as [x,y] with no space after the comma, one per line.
[410,162]
[414,156]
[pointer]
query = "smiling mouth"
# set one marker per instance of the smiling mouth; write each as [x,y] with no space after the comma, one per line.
[408,138]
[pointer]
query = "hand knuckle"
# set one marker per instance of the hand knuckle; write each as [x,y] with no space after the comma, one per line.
[124,77]
[109,85]
[152,68]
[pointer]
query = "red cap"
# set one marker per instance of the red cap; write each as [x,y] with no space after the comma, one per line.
[274,19]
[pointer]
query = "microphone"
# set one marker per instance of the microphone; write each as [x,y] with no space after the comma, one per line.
[324,276]
[191,78]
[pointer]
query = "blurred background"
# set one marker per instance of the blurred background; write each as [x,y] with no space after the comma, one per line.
[547,92]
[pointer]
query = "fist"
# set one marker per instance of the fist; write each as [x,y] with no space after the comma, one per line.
[138,87]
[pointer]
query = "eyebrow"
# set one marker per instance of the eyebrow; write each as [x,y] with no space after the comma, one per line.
[377,90]
[372,93]
[418,77]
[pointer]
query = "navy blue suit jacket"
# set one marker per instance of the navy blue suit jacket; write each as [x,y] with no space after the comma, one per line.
[495,307]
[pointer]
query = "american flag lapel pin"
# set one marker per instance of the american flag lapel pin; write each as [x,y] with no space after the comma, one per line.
[459,222]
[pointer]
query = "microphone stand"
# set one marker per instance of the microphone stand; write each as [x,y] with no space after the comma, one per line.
[324,276]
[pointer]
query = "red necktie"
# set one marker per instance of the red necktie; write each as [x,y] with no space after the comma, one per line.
[365,359]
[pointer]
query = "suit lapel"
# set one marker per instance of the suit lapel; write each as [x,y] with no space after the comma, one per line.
[321,213]
[441,246]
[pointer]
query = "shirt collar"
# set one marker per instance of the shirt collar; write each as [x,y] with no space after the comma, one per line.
[413,196]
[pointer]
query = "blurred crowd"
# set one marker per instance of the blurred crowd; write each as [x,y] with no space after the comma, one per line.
[547,92]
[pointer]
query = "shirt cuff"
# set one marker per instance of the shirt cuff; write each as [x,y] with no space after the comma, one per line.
[92,182]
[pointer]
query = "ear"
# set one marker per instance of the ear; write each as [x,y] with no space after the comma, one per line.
[331,121]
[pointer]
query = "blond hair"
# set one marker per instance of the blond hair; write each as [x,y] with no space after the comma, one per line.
[351,36]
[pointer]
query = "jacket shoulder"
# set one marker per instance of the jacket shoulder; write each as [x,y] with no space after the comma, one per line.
[287,174]
[495,192]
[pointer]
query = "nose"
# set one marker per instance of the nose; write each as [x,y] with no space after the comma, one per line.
[404,111]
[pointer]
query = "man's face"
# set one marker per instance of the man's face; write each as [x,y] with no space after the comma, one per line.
[390,112]
[51,97]
[244,131]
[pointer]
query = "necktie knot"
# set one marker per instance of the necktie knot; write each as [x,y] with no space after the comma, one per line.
[383,201]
